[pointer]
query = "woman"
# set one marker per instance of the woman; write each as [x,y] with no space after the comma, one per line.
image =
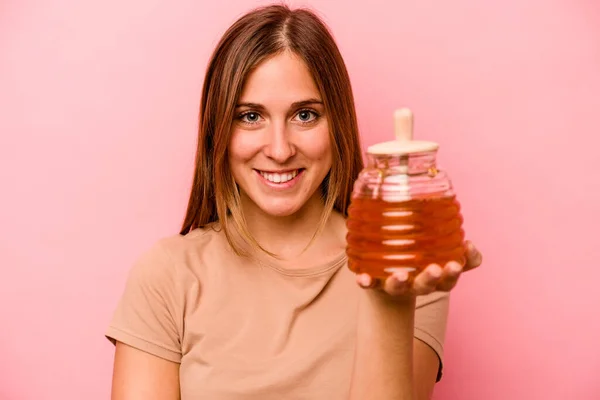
[253,299]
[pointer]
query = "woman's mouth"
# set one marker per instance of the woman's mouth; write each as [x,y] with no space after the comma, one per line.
[280,179]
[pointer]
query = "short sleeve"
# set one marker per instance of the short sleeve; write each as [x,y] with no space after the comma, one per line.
[431,318]
[147,314]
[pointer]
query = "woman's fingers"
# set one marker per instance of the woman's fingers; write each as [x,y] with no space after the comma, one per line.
[367,282]
[397,284]
[474,257]
[450,275]
[427,281]
[364,280]
[431,279]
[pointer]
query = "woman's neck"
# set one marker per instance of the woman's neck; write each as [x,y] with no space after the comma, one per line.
[287,237]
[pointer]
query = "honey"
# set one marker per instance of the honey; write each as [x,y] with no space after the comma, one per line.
[384,236]
[403,213]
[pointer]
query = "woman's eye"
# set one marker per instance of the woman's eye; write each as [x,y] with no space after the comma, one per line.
[250,117]
[307,116]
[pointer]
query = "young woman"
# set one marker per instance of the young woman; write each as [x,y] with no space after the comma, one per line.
[253,299]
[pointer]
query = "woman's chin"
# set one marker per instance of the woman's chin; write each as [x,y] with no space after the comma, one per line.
[284,206]
[280,212]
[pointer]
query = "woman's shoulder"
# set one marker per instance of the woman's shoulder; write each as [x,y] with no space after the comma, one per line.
[198,240]
[178,254]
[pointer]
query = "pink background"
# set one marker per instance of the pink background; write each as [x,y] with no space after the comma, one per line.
[98,103]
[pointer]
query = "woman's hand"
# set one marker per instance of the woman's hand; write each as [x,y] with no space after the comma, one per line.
[431,279]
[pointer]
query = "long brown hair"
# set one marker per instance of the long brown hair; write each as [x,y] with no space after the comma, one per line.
[253,38]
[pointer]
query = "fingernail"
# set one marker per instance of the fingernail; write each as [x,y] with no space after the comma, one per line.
[435,271]
[364,280]
[454,267]
[401,276]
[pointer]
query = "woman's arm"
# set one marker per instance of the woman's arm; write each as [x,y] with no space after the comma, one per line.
[138,375]
[426,367]
[383,365]
[390,364]
[389,329]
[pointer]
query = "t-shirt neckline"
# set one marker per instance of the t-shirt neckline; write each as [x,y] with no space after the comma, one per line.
[312,271]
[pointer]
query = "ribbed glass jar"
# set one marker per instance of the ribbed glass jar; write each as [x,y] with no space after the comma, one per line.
[403,215]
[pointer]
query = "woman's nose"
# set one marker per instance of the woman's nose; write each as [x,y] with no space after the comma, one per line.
[279,146]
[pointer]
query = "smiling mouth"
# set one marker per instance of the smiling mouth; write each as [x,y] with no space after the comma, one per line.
[280,177]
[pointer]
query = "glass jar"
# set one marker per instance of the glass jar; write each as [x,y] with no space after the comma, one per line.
[403,214]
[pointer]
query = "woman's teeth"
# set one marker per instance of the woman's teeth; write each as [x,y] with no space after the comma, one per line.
[279,178]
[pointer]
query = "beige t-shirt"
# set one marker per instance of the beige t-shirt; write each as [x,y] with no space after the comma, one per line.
[242,330]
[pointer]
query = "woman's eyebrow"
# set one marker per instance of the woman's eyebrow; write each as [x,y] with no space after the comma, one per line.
[296,104]
[256,106]
[306,102]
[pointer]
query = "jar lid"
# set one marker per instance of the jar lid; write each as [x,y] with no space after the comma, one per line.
[404,143]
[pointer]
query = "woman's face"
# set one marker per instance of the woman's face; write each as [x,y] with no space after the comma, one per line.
[280,150]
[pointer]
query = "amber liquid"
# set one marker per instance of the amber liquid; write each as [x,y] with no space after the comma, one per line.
[384,235]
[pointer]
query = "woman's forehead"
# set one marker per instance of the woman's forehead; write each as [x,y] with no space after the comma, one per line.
[281,79]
